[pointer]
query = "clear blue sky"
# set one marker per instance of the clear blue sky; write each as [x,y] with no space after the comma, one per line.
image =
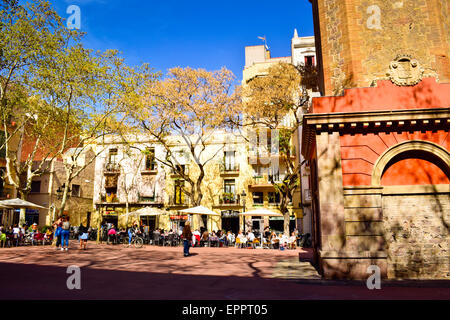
[208,34]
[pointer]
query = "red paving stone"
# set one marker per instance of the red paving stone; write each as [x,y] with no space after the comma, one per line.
[115,272]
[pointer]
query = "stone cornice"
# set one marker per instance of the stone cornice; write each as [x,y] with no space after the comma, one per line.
[403,120]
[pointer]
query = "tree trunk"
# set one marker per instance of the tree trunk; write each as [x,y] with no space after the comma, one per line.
[64,200]
[287,220]
[22,215]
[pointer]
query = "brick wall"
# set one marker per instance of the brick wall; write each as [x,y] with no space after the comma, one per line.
[360,38]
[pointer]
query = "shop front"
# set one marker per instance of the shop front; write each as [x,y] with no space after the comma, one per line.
[277,224]
[177,222]
[110,216]
[230,221]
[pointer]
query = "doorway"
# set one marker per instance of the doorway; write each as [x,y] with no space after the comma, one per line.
[230,221]
[149,221]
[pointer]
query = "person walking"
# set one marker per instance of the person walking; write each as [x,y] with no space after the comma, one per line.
[187,238]
[57,225]
[84,235]
[65,234]
[2,236]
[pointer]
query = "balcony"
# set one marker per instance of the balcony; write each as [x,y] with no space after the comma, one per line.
[265,181]
[227,200]
[178,203]
[150,169]
[111,198]
[111,168]
[149,199]
[263,156]
[229,170]
[174,173]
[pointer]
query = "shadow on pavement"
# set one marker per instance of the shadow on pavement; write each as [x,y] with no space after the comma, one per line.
[28,281]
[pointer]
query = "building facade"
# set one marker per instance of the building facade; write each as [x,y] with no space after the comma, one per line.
[257,62]
[46,191]
[379,142]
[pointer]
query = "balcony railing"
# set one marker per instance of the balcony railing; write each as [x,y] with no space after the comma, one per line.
[229,168]
[112,167]
[150,169]
[175,173]
[267,179]
[177,202]
[112,198]
[149,199]
[230,199]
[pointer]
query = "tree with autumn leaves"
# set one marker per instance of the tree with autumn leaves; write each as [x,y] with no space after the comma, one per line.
[55,95]
[277,101]
[187,107]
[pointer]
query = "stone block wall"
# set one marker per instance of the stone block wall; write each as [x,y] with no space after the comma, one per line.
[417,237]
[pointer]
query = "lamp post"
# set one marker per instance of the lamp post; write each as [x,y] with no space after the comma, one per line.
[60,191]
[243,195]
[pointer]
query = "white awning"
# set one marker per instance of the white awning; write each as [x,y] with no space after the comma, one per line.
[20,204]
[148,211]
[261,212]
[200,210]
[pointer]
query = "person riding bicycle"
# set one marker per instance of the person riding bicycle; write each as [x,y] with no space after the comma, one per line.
[132,231]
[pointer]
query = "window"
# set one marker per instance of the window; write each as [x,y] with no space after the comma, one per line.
[309,61]
[150,163]
[179,168]
[258,198]
[229,160]
[229,186]
[112,157]
[274,197]
[178,192]
[76,190]
[35,186]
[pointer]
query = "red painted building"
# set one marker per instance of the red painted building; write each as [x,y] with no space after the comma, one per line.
[380,149]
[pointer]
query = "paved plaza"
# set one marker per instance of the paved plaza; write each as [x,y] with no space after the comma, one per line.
[115,272]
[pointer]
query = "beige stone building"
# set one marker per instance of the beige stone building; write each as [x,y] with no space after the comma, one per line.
[257,62]
[46,190]
[126,174]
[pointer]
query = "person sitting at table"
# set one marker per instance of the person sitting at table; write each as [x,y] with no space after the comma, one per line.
[205,238]
[196,235]
[242,238]
[274,240]
[223,239]
[292,243]
[284,240]
[267,233]
[230,237]
[48,234]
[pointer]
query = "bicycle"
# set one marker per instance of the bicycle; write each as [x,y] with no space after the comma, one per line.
[136,240]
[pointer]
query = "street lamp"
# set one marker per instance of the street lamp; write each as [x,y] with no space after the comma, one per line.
[60,191]
[243,196]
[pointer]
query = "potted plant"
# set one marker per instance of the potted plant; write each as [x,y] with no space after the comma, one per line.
[228,197]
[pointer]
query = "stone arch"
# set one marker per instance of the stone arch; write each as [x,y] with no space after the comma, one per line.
[424,150]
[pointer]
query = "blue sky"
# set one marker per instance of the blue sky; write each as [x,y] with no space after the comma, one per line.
[207,34]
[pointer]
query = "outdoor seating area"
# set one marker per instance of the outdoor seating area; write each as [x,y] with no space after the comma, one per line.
[8,238]
[219,239]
